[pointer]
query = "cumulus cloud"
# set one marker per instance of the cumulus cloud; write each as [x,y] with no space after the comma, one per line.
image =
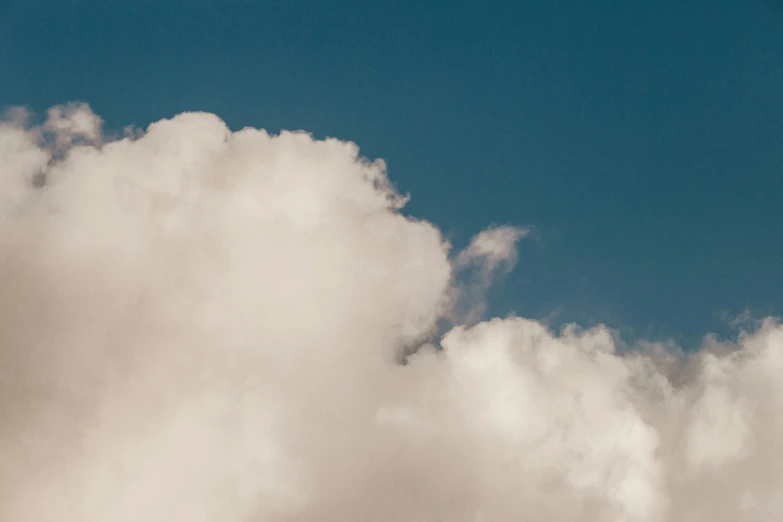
[202,325]
[73,122]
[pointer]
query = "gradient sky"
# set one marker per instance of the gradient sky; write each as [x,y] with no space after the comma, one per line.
[642,140]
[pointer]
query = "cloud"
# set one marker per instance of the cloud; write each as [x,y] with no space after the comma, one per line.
[491,254]
[72,122]
[493,248]
[202,325]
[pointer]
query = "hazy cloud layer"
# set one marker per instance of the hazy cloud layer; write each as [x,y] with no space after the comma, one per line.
[199,325]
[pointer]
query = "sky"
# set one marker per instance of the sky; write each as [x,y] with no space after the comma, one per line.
[402,263]
[640,140]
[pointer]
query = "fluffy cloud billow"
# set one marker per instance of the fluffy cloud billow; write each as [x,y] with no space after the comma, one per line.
[200,325]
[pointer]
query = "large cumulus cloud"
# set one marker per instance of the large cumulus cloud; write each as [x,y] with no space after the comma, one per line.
[203,325]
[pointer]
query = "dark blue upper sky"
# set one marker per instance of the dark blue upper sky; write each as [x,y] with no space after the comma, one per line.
[642,140]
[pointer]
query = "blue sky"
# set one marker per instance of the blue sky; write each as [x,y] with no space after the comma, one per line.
[642,140]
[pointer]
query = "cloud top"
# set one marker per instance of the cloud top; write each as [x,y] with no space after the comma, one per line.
[203,325]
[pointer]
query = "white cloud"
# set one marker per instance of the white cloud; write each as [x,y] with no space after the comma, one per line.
[493,248]
[20,160]
[490,254]
[72,122]
[201,325]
